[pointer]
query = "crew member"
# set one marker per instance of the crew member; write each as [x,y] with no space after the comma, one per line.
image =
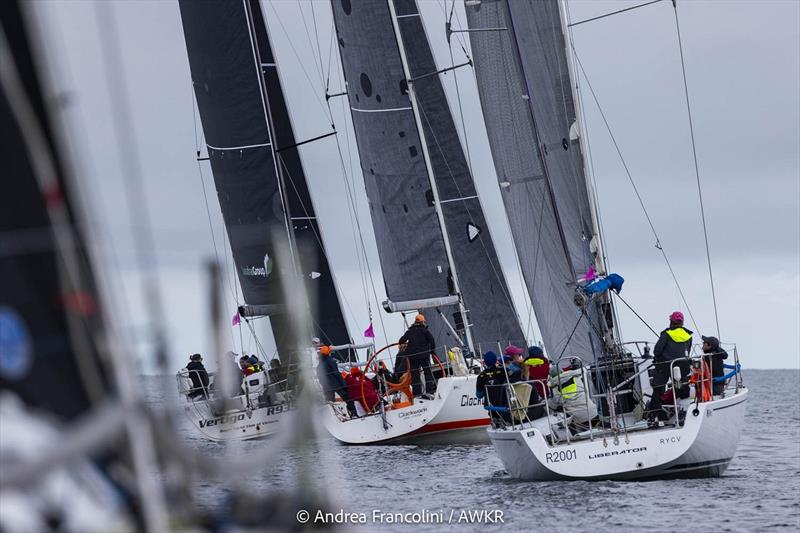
[538,370]
[490,387]
[362,389]
[715,357]
[331,380]
[198,375]
[569,391]
[246,366]
[675,342]
[419,347]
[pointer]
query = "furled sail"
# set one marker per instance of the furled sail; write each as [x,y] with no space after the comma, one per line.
[257,169]
[410,239]
[526,95]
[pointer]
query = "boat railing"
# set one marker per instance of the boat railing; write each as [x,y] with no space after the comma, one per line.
[186,385]
[617,425]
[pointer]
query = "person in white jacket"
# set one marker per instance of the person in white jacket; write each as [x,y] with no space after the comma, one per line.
[569,388]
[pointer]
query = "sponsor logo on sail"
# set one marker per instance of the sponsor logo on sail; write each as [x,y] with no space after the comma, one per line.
[259,271]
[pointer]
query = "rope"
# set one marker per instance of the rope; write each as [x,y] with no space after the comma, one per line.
[696,168]
[658,244]
[613,13]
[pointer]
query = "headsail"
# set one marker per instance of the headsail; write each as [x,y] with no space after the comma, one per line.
[410,239]
[526,96]
[257,169]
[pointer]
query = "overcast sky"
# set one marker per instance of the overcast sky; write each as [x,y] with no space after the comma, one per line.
[743,74]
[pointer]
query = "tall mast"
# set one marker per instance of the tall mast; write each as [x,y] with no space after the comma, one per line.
[271,135]
[429,167]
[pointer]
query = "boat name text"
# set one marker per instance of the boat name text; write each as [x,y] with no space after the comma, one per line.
[468,401]
[618,452]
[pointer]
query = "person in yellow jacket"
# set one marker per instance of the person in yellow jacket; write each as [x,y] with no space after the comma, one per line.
[675,342]
[569,390]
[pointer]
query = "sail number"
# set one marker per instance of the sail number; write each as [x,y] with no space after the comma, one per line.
[560,456]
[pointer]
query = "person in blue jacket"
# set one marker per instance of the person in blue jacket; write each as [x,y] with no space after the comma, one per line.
[331,380]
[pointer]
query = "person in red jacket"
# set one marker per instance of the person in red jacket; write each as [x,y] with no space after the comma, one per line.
[354,381]
[538,369]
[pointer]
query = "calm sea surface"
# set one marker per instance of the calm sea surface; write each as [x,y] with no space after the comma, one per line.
[760,491]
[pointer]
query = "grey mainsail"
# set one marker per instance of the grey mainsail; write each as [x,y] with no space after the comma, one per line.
[526,95]
[257,170]
[409,236]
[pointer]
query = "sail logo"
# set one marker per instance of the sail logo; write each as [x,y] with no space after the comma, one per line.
[16,345]
[259,271]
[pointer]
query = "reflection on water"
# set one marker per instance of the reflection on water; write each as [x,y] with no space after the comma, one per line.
[759,491]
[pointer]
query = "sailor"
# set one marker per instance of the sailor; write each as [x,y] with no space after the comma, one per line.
[538,370]
[512,357]
[198,375]
[674,343]
[245,366]
[419,347]
[489,386]
[256,363]
[331,380]
[362,389]
[569,391]
[714,357]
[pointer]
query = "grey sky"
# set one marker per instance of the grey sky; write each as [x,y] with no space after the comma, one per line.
[743,72]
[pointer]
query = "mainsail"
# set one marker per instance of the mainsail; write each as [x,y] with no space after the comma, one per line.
[410,239]
[254,157]
[526,95]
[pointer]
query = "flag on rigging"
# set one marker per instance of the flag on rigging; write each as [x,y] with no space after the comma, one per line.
[236,319]
[369,332]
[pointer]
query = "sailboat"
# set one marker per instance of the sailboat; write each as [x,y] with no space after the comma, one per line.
[436,253]
[526,84]
[265,201]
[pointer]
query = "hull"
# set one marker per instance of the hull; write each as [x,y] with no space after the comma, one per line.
[237,424]
[455,416]
[703,447]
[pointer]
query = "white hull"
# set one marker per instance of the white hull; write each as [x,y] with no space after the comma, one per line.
[455,416]
[703,447]
[238,424]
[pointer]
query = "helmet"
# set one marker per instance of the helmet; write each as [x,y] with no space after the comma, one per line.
[419,318]
[325,350]
[676,316]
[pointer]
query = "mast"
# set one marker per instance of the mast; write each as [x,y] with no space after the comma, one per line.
[429,167]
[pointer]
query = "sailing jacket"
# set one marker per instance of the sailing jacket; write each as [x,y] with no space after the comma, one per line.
[539,370]
[672,344]
[488,386]
[569,391]
[328,374]
[420,341]
[370,398]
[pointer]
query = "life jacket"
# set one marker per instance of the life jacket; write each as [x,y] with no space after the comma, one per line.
[539,370]
[701,378]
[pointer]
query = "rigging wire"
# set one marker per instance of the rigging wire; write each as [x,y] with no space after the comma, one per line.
[613,13]
[658,244]
[696,167]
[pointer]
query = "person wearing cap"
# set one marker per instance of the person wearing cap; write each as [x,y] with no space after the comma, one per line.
[331,380]
[571,393]
[675,342]
[419,347]
[538,370]
[489,386]
[715,357]
[246,366]
[512,358]
[198,375]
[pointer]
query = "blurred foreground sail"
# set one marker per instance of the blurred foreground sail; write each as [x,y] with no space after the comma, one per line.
[55,369]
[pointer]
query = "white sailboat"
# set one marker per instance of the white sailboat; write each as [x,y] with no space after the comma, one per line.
[523,64]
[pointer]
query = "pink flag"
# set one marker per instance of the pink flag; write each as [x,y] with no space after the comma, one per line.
[369,332]
[590,274]
[236,319]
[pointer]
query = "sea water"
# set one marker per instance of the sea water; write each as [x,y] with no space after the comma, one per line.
[465,488]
